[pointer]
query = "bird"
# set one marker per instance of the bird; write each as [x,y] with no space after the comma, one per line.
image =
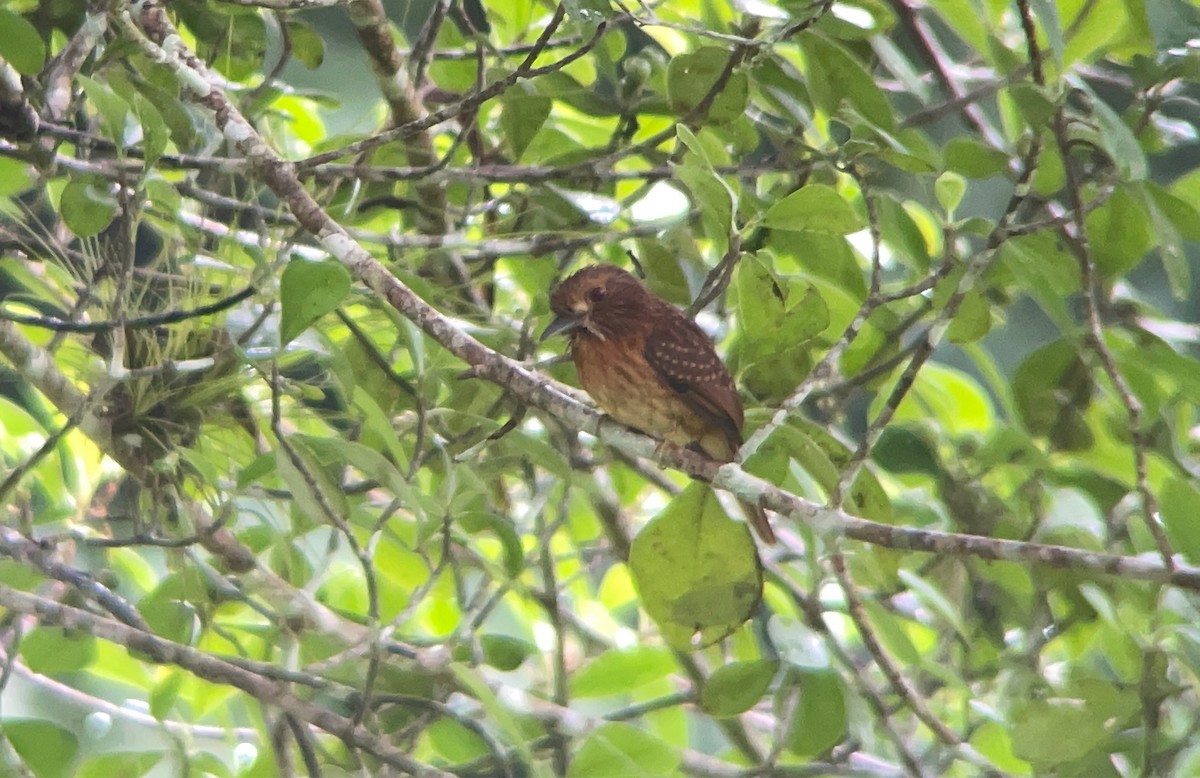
[650,367]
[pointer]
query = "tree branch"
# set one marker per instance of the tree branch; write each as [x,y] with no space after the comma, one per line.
[216,670]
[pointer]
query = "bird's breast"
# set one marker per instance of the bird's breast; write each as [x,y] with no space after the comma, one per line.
[614,371]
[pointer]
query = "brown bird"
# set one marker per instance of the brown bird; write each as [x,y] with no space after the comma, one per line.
[650,367]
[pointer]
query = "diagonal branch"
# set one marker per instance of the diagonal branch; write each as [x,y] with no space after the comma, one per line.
[165,46]
[217,670]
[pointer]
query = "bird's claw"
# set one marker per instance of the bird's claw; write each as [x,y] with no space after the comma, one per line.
[666,447]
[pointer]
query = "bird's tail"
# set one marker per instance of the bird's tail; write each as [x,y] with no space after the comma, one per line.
[756,517]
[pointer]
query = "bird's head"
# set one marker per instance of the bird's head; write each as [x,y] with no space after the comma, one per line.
[601,301]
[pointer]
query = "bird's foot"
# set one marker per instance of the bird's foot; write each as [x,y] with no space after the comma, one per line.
[666,448]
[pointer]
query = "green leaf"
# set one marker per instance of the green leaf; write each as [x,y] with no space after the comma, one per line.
[1046,12]
[205,763]
[308,291]
[1173,23]
[709,193]
[696,569]
[521,116]
[973,319]
[1120,233]
[1045,271]
[836,76]
[182,120]
[664,269]
[46,749]
[1119,142]
[950,188]
[691,76]
[737,687]
[774,311]
[933,599]
[903,449]
[620,671]
[474,684]
[50,650]
[20,44]
[620,749]
[907,149]
[994,741]
[87,205]
[18,575]
[1185,191]
[171,618]
[1051,377]
[1181,515]
[820,455]
[815,207]
[126,764]
[890,629]
[821,717]
[588,12]
[947,397]
[1035,105]
[502,528]
[1092,716]
[1050,175]
[454,742]
[243,46]
[155,134]
[165,693]
[15,176]
[114,109]
[1094,30]
[1071,518]
[688,138]
[504,652]
[16,422]
[973,158]
[901,225]
[307,45]
[259,467]
[1172,219]
[343,588]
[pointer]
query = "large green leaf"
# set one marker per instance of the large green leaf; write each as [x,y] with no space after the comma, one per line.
[619,749]
[821,716]
[129,764]
[696,569]
[735,688]
[815,207]
[522,115]
[837,76]
[50,650]
[88,206]
[20,44]
[620,671]
[1120,232]
[308,291]
[46,748]
[690,77]
[709,191]
[1091,712]
[1181,516]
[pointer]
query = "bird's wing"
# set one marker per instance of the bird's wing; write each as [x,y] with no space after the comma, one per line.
[683,357]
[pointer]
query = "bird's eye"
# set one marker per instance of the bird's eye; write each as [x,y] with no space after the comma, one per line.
[597,293]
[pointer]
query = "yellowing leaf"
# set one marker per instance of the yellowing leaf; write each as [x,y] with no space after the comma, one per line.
[696,569]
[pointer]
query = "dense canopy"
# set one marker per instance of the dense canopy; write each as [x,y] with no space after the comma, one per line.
[289,484]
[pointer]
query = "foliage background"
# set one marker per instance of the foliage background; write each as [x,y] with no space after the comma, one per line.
[289,485]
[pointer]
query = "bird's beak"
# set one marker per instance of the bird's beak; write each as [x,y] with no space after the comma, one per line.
[561,325]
